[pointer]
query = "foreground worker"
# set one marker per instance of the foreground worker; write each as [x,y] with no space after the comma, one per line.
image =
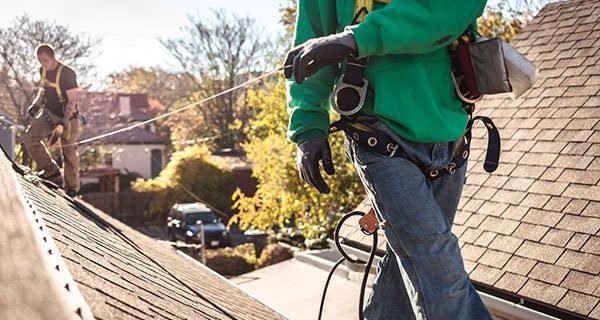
[404,139]
[54,117]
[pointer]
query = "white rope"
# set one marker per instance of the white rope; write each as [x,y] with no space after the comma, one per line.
[111,133]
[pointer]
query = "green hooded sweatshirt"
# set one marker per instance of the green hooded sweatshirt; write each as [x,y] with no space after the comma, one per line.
[409,68]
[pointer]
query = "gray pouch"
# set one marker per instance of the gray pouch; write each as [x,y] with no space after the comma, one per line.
[500,68]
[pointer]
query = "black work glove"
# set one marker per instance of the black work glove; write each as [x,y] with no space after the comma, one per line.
[309,154]
[309,57]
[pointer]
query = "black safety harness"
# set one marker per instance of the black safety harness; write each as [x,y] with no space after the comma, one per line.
[349,95]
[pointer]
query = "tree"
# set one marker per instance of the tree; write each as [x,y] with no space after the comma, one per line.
[166,87]
[189,176]
[18,62]
[282,196]
[219,53]
[288,17]
[506,19]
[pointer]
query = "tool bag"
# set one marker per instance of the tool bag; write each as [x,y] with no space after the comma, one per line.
[491,66]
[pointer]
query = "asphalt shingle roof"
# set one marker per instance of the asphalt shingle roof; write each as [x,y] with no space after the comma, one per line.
[121,273]
[533,227]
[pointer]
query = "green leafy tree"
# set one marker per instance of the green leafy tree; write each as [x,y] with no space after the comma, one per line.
[282,196]
[506,18]
[190,176]
[288,17]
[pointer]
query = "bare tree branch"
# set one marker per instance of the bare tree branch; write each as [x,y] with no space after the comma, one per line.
[220,52]
[20,68]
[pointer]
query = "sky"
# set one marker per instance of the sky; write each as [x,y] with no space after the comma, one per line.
[129,29]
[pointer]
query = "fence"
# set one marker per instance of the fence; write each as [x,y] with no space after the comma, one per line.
[129,207]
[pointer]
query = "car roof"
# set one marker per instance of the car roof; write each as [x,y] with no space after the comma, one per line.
[192,207]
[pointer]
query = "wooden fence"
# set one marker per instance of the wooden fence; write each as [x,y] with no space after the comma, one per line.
[129,207]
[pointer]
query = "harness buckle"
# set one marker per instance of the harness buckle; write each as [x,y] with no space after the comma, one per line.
[361,91]
[392,148]
[451,168]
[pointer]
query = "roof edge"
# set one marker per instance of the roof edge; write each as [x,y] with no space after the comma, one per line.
[64,289]
[222,278]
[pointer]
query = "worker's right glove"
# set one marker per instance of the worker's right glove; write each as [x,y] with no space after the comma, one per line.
[309,57]
[309,154]
[56,134]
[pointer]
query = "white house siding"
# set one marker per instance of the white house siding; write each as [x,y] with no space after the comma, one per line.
[135,158]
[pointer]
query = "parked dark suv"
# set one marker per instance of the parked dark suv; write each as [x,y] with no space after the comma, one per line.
[182,225]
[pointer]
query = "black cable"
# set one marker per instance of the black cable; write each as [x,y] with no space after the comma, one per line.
[345,256]
[337,264]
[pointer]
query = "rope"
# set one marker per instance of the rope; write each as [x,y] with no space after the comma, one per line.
[189,106]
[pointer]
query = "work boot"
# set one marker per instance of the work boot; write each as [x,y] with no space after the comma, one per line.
[72,193]
[55,177]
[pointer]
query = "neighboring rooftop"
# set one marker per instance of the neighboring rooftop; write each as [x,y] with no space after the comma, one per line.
[108,111]
[62,258]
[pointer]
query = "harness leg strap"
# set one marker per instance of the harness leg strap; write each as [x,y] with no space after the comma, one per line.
[492,155]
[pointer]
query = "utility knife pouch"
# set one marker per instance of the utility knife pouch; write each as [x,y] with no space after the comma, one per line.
[500,68]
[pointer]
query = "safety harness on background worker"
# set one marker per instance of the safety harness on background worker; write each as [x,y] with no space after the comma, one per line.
[349,96]
[45,83]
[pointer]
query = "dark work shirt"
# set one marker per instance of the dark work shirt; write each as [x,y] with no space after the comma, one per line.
[68,81]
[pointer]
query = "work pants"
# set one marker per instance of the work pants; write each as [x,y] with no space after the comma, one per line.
[422,275]
[35,142]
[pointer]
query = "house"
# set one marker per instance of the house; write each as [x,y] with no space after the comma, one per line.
[140,150]
[8,130]
[530,232]
[63,259]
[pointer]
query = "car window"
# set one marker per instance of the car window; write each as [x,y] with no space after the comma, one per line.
[205,217]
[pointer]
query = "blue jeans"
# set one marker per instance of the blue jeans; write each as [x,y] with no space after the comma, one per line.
[422,275]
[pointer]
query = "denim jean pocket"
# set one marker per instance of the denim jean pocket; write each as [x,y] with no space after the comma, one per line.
[364,156]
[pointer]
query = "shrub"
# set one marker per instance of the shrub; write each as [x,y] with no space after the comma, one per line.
[272,254]
[232,261]
[190,176]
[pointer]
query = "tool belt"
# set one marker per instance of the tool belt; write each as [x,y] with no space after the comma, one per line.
[381,143]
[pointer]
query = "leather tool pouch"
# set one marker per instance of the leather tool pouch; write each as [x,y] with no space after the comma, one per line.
[492,66]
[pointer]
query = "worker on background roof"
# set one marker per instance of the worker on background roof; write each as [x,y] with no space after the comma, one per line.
[54,116]
[403,140]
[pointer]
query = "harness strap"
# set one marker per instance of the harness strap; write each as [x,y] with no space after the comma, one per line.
[363,7]
[492,155]
[56,85]
[381,143]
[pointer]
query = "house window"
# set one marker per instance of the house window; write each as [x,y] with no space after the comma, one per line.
[156,162]
[125,106]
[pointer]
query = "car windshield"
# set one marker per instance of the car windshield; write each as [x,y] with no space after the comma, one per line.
[205,217]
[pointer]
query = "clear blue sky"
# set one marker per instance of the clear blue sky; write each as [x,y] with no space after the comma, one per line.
[129,29]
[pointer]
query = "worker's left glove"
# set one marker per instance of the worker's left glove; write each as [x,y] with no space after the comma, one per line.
[56,134]
[310,153]
[309,57]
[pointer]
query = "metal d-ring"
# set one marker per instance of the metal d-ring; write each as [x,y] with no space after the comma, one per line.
[372,141]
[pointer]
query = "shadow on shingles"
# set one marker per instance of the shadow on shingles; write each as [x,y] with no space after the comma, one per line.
[97,220]
[55,191]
